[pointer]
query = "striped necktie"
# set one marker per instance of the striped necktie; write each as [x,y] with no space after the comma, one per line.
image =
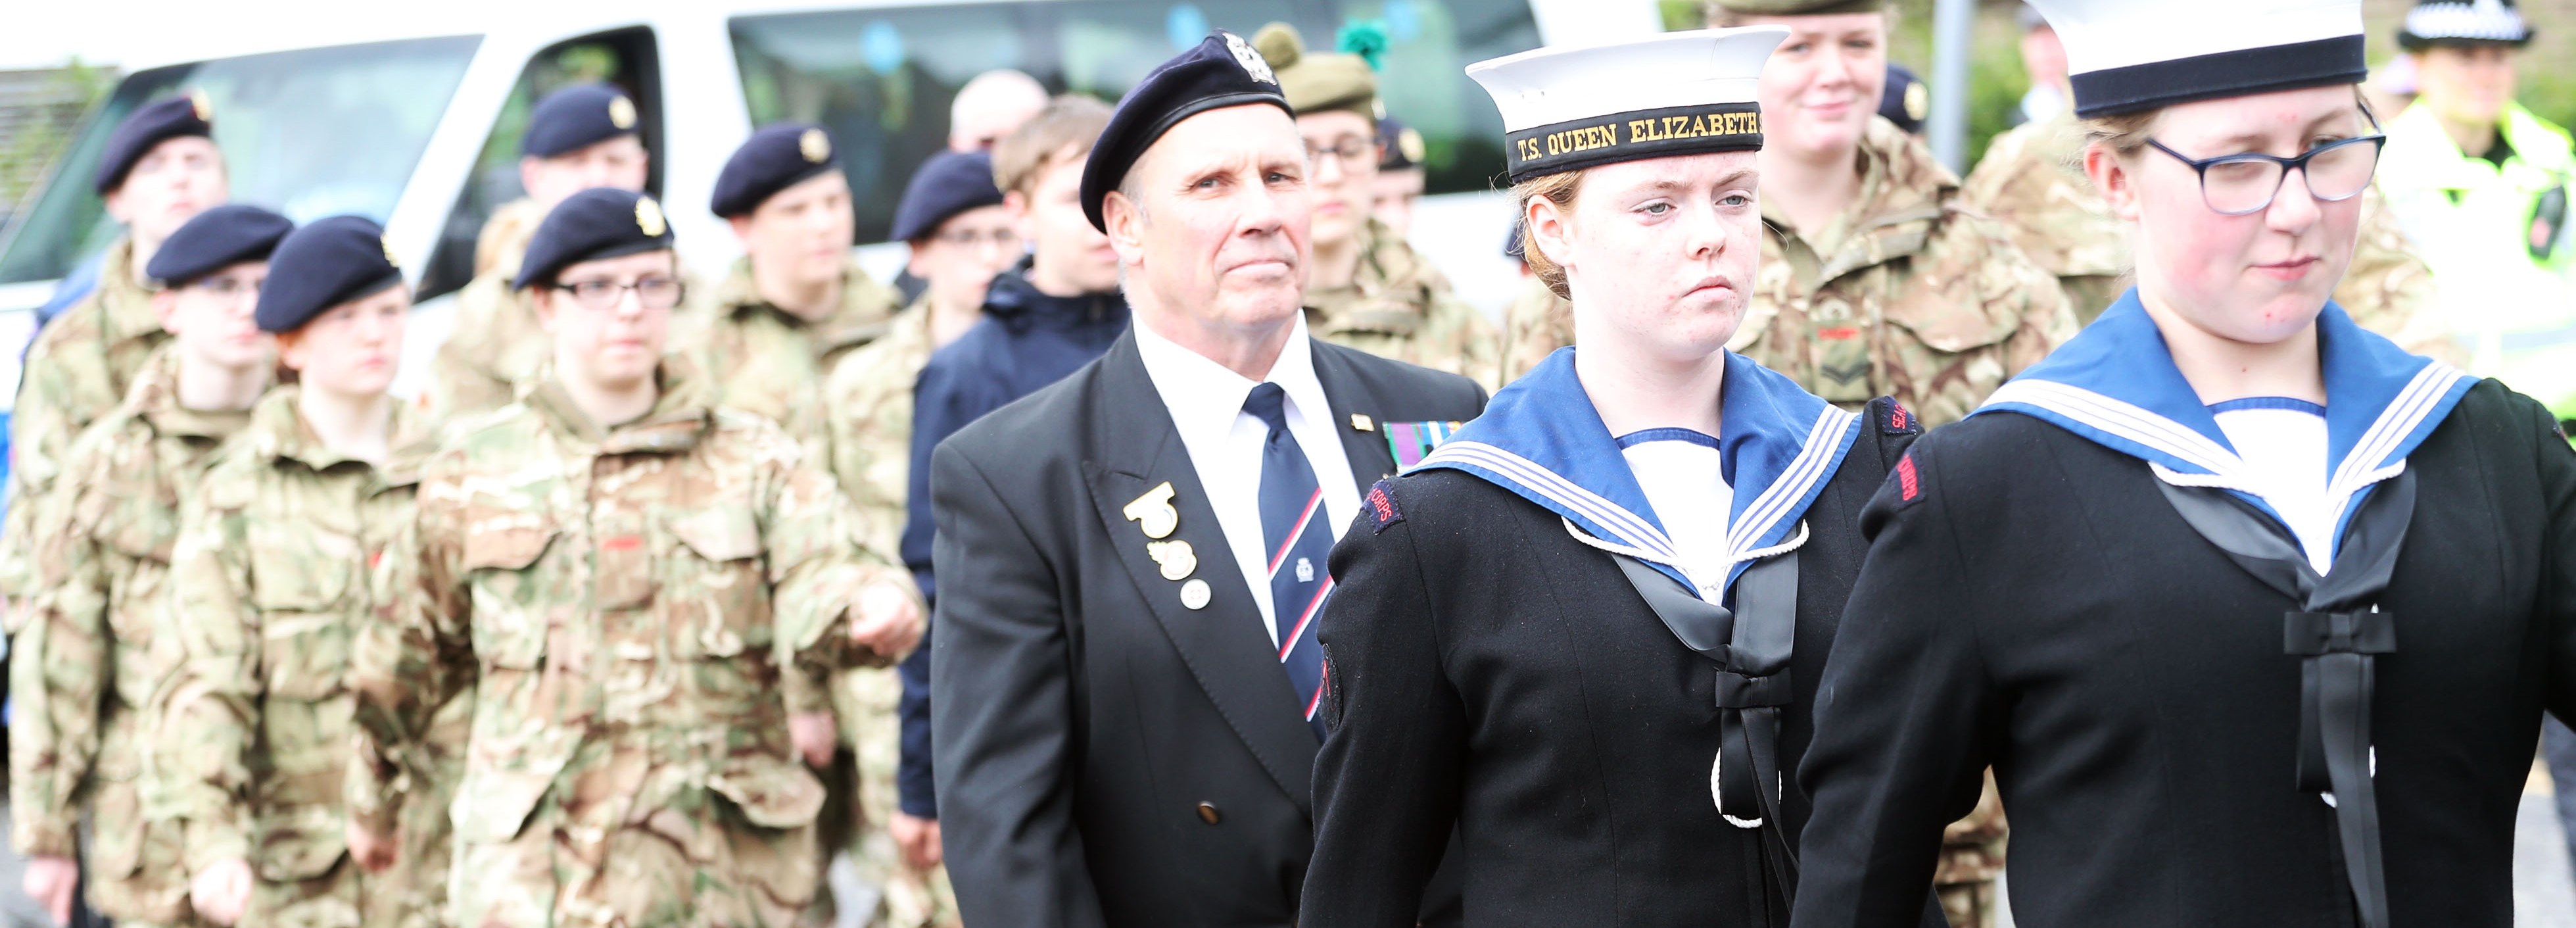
[1298,539]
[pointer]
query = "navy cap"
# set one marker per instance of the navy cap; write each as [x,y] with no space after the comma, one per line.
[577,117]
[177,117]
[1222,70]
[322,265]
[947,184]
[217,239]
[773,159]
[601,222]
[1905,101]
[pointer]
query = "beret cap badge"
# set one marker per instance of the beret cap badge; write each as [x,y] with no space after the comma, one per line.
[621,112]
[814,145]
[1250,59]
[388,246]
[205,108]
[648,217]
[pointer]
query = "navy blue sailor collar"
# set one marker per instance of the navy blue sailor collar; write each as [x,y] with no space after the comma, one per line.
[2115,384]
[1541,439]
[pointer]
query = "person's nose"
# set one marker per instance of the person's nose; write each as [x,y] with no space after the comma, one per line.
[2294,207]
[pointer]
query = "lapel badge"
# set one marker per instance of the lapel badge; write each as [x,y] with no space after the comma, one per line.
[1360,423]
[1153,512]
[1194,595]
[1176,556]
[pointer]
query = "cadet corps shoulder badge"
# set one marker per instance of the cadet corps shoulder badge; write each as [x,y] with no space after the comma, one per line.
[1895,419]
[1909,482]
[1380,503]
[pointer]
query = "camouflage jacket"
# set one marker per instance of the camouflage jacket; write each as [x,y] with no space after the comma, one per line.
[1535,324]
[280,561]
[770,362]
[1904,295]
[867,405]
[496,344]
[631,595]
[78,369]
[1400,307]
[84,659]
[2032,180]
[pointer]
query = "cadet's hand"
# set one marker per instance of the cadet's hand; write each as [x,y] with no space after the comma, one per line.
[918,839]
[221,892]
[888,619]
[374,853]
[814,736]
[50,881]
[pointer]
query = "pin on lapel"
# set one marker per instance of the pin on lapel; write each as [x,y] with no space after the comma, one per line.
[1175,556]
[1153,512]
[1360,422]
[1194,595]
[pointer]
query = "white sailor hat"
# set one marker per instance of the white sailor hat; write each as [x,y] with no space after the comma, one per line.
[2124,56]
[1679,93]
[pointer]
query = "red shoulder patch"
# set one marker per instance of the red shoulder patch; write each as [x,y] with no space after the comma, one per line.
[1380,503]
[1898,420]
[1909,485]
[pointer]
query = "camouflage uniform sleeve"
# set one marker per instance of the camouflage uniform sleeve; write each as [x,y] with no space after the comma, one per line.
[1535,324]
[1478,344]
[409,659]
[2389,290]
[859,429]
[209,720]
[61,659]
[817,569]
[41,430]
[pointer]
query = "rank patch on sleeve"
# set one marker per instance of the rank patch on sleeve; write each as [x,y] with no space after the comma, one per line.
[1898,420]
[1380,504]
[1909,485]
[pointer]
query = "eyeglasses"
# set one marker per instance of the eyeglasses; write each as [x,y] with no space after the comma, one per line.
[1349,148]
[603,295]
[227,288]
[969,238]
[2244,184]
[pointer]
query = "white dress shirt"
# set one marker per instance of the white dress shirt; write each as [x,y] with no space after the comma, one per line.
[1684,480]
[2283,444]
[1224,443]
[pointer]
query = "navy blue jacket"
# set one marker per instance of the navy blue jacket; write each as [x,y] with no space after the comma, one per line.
[1026,341]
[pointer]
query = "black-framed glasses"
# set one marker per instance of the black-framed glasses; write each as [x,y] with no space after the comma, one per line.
[228,288]
[1349,148]
[603,295]
[969,238]
[2245,183]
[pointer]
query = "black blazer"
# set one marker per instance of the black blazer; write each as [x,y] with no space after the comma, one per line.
[1491,672]
[1104,754]
[2037,603]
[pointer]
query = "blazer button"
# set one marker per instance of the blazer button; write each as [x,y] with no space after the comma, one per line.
[1208,813]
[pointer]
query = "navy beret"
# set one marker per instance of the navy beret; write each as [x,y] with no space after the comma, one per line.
[773,159]
[322,265]
[601,222]
[577,117]
[177,117]
[947,184]
[1400,146]
[1222,70]
[217,239]
[1905,100]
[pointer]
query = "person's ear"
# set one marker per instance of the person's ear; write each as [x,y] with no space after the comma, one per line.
[2112,178]
[1551,231]
[115,202]
[529,168]
[741,229]
[915,264]
[1017,202]
[1126,222]
[541,301]
[165,307]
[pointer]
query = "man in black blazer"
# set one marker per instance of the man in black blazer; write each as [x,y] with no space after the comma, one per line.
[1131,559]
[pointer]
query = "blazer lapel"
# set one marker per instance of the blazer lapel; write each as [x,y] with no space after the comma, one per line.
[1223,643]
[1371,458]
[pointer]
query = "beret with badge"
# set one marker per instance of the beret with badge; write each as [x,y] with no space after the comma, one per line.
[217,239]
[2126,57]
[1221,71]
[601,222]
[1905,100]
[1317,82]
[322,265]
[1679,93]
[577,117]
[946,185]
[773,159]
[1399,145]
[147,127]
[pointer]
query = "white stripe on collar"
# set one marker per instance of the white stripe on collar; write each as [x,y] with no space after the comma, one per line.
[1779,501]
[1625,527]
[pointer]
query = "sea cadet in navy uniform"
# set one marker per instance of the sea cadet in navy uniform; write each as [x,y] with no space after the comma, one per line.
[2254,614]
[1585,631]
[1130,561]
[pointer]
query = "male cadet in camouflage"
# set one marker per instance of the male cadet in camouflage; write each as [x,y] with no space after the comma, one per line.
[278,561]
[85,662]
[961,236]
[579,137]
[2032,180]
[1367,288]
[625,574]
[161,167]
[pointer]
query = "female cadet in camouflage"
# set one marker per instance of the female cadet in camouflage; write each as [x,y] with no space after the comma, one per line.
[627,575]
[1367,288]
[86,662]
[277,562]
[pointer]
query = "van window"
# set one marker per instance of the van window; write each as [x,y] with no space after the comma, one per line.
[624,57]
[311,133]
[881,79]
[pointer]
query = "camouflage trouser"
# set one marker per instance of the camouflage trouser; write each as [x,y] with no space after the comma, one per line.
[133,867]
[600,866]
[334,898]
[912,899]
[1972,856]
